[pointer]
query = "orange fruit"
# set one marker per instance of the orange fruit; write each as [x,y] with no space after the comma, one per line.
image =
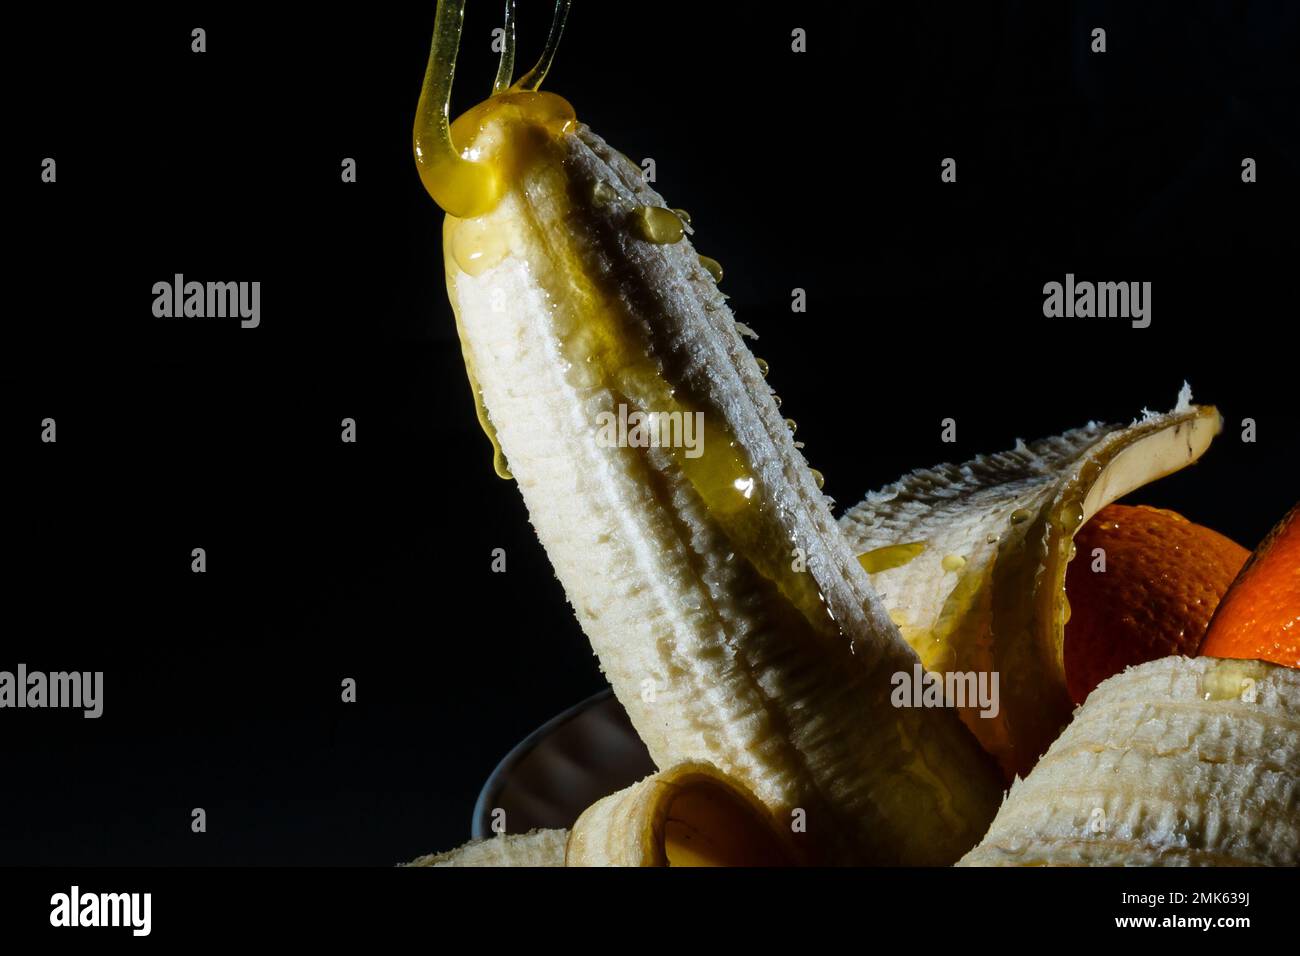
[1259,617]
[1163,578]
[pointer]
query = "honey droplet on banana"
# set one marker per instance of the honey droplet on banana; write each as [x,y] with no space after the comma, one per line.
[890,556]
[657,225]
[712,267]
[1228,679]
[476,247]
[1070,515]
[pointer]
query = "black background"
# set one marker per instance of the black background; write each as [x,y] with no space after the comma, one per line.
[372,560]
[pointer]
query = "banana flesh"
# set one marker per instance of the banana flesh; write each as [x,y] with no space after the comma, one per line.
[970,560]
[535,848]
[734,624]
[1176,762]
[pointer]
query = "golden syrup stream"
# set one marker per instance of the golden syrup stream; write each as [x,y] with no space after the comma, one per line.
[506,67]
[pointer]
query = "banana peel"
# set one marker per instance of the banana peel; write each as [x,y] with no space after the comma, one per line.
[970,560]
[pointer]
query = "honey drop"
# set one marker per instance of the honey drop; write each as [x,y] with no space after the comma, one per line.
[890,556]
[1070,515]
[656,224]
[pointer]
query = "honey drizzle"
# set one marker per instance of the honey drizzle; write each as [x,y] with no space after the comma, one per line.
[506,65]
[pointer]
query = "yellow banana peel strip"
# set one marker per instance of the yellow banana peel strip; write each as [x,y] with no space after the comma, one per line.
[1176,762]
[688,815]
[970,560]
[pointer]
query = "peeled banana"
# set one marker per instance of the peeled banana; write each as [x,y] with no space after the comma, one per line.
[970,560]
[1176,762]
[734,624]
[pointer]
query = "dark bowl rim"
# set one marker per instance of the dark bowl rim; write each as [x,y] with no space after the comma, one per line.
[481,823]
